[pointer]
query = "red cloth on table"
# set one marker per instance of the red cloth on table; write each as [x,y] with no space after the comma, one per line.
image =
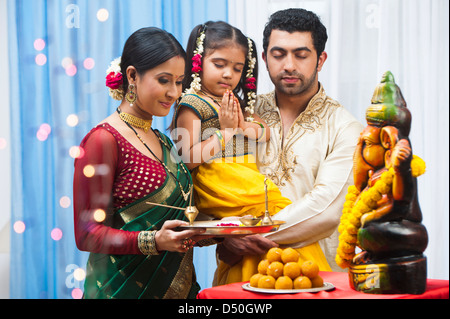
[436,289]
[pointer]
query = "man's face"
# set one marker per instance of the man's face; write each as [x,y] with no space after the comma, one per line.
[291,60]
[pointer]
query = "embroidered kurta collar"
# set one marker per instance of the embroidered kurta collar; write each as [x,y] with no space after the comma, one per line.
[314,106]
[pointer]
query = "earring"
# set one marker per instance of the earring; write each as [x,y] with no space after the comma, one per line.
[131,96]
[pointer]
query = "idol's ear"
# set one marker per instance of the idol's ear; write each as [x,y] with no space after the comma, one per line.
[389,137]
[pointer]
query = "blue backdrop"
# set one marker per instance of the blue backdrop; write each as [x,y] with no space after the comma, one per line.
[59,52]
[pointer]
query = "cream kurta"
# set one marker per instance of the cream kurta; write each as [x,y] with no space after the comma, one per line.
[312,167]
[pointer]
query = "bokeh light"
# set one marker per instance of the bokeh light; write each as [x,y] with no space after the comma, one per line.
[102,15]
[39,44]
[72,120]
[3,143]
[89,171]
[89,63]
[56,234]
[79,274]
[41,136]
[77,293]
[76,152]
[71,70]
[99,215]
[43,132]
[66,62]
[65,202]
[102,169]
[45,128]
[19,227]
[41,59]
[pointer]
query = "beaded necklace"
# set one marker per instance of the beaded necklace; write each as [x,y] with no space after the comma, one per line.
[212,98]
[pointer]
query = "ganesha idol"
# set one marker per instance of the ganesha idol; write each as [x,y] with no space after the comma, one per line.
[382,239]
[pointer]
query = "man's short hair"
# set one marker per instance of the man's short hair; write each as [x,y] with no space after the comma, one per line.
[292,20]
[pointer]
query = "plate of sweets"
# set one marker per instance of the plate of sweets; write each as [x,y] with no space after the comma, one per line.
[283,272]
[238,227]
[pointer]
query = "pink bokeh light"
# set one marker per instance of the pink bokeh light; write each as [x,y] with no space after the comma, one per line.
[71,70]
[39,44]
[89,63]
[56,234]
[41,59]
[19,227]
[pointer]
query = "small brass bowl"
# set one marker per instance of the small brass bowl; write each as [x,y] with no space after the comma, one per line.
[250,221]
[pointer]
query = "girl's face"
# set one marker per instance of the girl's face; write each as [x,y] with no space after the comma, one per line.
[222,69]
[158,88]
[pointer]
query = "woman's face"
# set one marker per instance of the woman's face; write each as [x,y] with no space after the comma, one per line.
[222,69]
[159,88]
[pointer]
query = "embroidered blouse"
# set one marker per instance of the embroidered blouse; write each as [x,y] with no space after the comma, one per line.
[110,175]
[209,117]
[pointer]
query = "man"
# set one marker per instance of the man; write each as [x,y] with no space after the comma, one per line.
[312,140]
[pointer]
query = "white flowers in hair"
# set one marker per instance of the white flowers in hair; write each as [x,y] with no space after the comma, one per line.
[196,65]
[200,39]
[114,66]
[114,80]
[250,82]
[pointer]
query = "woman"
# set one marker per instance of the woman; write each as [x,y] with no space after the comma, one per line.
[128,186]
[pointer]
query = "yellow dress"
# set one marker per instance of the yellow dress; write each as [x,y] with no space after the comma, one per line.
[231,185]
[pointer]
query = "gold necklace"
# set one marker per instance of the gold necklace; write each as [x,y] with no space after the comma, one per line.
[135,121]
[184,194]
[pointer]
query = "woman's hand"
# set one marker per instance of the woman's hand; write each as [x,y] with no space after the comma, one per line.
[177,241]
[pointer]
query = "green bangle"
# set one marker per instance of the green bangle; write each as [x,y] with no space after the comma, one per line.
[221,139]
[256,122]
[263,130]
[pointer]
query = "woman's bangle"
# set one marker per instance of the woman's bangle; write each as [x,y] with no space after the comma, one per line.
[263,131]
[221,139]
[147,243]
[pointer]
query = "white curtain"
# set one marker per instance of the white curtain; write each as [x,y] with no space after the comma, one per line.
[410,38]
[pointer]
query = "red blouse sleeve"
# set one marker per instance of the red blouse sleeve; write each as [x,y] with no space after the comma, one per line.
[92,197]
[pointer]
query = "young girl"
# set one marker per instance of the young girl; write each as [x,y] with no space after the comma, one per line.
[216,132]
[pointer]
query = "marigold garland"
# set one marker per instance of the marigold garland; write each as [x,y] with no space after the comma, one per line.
[352,212]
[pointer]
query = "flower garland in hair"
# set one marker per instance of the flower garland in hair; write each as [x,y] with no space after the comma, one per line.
[357,204]
[197,65]
[114,80]
[250,82]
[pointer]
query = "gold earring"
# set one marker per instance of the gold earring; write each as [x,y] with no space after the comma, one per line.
[131,96]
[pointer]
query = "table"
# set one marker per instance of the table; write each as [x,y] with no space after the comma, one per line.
[436,289]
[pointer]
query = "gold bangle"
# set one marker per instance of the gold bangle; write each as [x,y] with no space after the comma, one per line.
[147,243]
[221,139]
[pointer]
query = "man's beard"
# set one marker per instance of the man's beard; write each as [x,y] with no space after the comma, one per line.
[304,85]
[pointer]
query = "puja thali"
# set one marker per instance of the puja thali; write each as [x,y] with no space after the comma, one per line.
[220,228]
